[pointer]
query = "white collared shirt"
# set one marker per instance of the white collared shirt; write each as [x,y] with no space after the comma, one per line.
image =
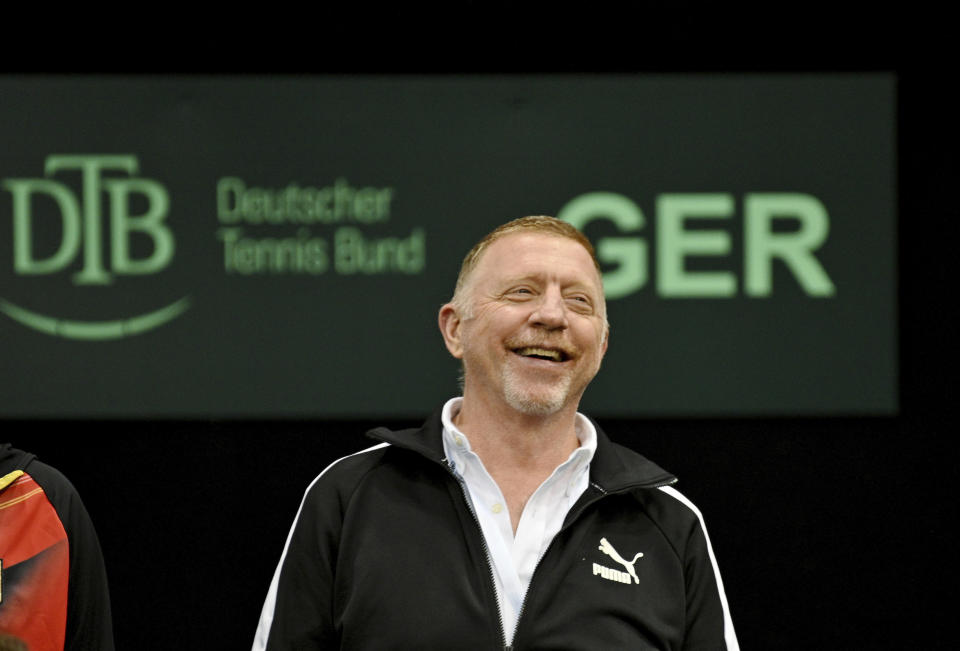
[514,557]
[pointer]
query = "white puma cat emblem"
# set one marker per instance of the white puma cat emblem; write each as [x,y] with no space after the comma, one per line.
[614,575]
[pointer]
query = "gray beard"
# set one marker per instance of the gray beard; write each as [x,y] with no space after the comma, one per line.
[544,403]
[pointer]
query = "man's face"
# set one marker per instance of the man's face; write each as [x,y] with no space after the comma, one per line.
[535,331]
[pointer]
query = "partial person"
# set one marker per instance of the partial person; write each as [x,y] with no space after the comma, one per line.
[508,520]
[53,584]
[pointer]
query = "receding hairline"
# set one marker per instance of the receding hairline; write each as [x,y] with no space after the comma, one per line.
[534,224]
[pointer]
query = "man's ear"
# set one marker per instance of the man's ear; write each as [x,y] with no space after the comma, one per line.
[450,321]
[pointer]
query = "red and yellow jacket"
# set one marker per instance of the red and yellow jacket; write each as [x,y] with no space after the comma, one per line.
[53,590]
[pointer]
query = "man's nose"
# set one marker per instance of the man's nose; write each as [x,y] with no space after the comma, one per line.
[550,312]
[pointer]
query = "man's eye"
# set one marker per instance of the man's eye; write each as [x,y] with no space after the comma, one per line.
[580,303]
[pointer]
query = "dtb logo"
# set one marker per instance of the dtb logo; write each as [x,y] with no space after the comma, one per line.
[111,210]
[82,222]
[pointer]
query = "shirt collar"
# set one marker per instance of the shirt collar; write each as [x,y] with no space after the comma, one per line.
[456,443]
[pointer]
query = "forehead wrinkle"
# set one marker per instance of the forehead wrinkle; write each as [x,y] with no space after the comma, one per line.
[470,291]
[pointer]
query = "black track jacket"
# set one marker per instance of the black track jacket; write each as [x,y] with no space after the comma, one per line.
[386,553]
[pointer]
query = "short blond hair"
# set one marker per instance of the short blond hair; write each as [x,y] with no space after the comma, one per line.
[541,224]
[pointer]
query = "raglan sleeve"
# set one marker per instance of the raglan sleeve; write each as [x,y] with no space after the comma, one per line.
[709,626]
[298,610]
[707,622]
[89,625]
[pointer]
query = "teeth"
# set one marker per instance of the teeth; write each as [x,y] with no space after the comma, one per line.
[540,352]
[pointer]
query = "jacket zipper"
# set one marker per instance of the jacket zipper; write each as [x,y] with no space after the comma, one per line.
[486,553]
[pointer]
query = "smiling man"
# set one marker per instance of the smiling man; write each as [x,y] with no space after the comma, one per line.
[530,325]
[506,521]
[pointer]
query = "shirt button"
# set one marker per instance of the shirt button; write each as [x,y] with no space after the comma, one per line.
[497,508]
[458,440]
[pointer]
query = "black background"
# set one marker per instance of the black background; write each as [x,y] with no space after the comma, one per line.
[830,533]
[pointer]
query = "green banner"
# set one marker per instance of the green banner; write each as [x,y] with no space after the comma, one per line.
[278,247]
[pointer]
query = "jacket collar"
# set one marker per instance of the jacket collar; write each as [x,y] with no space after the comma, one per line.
[13,462]
[426,440]
[614,467]
[13,459]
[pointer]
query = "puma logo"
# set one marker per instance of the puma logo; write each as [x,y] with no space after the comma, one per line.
[616,575]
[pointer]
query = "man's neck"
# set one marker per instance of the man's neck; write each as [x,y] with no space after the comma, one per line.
[509,440]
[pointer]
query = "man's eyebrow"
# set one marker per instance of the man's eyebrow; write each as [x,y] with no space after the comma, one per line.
[541,277]
[521,277]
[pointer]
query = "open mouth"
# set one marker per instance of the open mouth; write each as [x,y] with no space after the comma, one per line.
[549,354]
